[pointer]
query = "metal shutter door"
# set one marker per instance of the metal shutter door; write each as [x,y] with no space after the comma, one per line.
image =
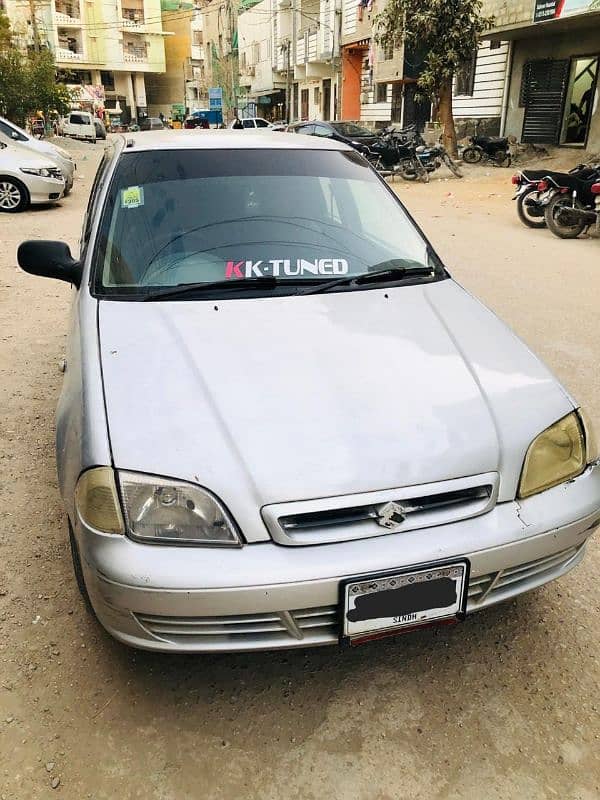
[544,89]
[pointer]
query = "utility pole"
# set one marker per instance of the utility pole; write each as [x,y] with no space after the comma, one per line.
[34,27]
[288,82]
[184,92]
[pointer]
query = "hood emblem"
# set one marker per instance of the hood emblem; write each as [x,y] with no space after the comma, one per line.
[391,514]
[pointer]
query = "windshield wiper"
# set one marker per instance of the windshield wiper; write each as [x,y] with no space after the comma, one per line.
[386,271]
[183,289]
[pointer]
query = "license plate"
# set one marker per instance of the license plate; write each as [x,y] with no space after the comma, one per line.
[388,603]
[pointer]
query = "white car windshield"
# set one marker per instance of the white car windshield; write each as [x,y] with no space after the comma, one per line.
[183,217]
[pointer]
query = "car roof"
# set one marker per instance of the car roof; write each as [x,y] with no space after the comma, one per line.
[226,140]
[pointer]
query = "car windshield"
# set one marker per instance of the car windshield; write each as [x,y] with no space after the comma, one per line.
[177,217]
[350,129]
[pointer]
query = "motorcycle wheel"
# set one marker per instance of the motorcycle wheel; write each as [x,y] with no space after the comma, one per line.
[523,210]
[407,171]
[552,215]
[502,158]
[472,155]
[452,166]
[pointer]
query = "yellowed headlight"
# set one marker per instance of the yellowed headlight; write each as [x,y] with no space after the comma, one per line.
[554,456]
[97,501]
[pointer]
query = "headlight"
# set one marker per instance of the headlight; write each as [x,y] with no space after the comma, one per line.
[555,456]
[42,172]
[97,502]
[161,510]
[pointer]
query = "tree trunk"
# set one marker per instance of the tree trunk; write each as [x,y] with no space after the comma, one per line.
[447,118]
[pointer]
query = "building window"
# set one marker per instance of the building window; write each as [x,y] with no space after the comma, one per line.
[197,38]
[381,95]
[495,45]
[388,52]
[108,81]
[465,77]
[256,53]
[316,97]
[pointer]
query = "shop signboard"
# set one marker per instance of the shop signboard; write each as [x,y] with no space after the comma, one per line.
[558,9]
[215,98]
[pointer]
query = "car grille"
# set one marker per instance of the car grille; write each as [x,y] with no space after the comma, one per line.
[486,589]
[308,626]
[333,520]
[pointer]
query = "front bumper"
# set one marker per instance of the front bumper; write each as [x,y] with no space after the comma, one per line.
[44,190]
[267,596]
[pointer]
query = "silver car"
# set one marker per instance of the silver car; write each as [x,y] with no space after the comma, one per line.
[11,134]
[282,423]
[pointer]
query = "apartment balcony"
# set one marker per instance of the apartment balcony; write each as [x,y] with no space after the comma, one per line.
[132,18]
[67,14]
[66,20]
[135,55]
[64,54]
[197,52]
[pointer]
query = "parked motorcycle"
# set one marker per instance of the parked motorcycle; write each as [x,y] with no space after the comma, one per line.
[488,148]
[533,193]
[394,153]
[433,156]
[574,208]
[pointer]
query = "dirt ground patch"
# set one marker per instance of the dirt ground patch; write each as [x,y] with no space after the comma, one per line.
[504,706]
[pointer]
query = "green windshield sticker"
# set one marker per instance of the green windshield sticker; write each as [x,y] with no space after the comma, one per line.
[132,197]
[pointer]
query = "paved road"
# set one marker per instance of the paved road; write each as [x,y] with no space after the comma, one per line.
[504,706]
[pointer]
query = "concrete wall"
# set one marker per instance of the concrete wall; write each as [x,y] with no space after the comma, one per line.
[168,87]
[566,45]
[509,12]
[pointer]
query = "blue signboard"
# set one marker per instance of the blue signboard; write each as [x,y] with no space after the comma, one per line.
[215,98]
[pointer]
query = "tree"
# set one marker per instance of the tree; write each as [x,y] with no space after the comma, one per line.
[447,32]
[28,80]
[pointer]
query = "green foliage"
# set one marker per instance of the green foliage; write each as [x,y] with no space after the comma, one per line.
[446,31]
[28,80]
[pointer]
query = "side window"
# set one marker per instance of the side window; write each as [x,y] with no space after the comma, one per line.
[307,130]
[260,123]
[248,123]
[11,133]
[322,130]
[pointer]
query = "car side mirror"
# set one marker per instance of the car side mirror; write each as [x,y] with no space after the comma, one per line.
[14,135]
[50,260]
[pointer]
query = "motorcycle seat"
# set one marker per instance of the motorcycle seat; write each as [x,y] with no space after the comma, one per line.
[499,141]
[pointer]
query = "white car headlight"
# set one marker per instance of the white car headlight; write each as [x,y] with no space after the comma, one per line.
[172,511]
[559,453]
[42,172]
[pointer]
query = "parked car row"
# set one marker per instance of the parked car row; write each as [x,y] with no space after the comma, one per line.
[31,170]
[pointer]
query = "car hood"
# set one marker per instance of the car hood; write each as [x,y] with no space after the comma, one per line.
[281,399]
[15,157]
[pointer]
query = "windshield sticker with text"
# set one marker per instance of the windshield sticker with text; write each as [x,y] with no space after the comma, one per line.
[285,267]
[132,197]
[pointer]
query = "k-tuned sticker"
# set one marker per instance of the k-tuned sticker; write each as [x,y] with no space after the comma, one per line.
[285,267]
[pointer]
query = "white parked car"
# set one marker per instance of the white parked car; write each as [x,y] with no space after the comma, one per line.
[13,135]
[27,178]
[283,423]
[252,123]
[79,125]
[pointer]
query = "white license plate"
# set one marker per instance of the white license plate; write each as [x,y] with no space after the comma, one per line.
[391,602]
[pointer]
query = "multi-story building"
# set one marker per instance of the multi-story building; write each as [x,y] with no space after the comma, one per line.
[289,58]
[262,85]
[552,87]
[220,36]
[105,46]
[184,82]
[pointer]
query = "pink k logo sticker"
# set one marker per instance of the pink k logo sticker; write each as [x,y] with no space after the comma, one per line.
[233,270]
